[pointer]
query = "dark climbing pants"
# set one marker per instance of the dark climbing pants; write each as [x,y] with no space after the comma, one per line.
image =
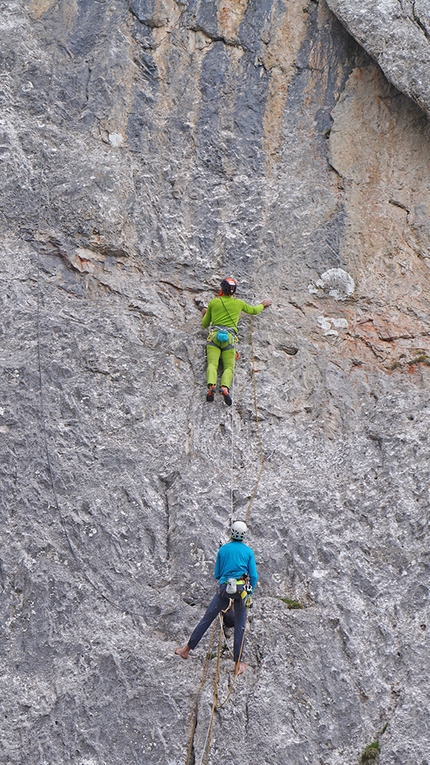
[219,603]
[228,358]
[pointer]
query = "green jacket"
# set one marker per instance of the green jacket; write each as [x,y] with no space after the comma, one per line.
[225,311]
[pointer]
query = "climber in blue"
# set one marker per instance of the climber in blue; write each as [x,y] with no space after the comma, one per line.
[234,566]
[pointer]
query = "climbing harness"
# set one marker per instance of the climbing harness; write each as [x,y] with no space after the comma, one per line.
[222,335]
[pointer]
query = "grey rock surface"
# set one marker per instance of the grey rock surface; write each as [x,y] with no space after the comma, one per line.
[396,33]
[150,148]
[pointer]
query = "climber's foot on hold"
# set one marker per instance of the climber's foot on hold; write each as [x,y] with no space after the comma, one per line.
[183,652]
[240,668]
[226,394]
[210,395]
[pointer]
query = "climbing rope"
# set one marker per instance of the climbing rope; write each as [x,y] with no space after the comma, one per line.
[231,470]
[235,670]
[215,702]
[196,705]
[257,422]
[260,443]
[206,746]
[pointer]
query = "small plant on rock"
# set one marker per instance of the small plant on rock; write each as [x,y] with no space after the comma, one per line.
[292,603]
[421,357]
[370,753]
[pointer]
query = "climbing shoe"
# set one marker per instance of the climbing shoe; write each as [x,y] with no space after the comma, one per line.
[226,394]
[210,395]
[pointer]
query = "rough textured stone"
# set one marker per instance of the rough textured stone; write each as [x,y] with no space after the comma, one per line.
[396,33]
[149,149]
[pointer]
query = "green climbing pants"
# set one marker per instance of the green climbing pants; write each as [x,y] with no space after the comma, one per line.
[228,358]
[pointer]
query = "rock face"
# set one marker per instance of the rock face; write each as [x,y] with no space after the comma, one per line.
[396,33]
[150,148]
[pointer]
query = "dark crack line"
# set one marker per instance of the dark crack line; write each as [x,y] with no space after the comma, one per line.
[220,38]
[418,21]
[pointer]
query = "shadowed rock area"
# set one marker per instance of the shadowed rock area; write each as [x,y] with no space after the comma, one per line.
[396,33]
[149,148]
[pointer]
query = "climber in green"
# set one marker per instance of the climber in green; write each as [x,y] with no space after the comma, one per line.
[222,316]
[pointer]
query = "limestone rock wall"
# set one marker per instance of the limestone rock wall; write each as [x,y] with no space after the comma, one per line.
[396,34]
[150,148]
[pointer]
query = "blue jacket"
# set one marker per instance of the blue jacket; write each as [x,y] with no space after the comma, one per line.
[235,559]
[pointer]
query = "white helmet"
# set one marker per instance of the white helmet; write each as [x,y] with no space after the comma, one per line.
[238,530]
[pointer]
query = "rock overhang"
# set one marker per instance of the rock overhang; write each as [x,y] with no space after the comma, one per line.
[396,34]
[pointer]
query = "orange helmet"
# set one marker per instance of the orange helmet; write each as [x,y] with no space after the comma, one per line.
[228,287]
